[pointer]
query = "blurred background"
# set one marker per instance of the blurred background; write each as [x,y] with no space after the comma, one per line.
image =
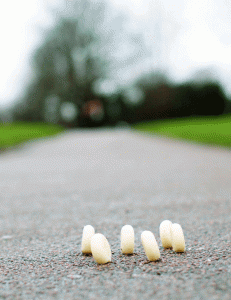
[94,63]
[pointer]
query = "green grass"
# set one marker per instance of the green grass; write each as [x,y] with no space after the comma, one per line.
[206,130]
[12,134]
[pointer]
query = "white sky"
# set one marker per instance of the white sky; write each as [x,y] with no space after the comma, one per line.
[194,35]
[18,37]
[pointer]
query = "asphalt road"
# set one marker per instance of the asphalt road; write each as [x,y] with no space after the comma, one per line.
[51,188]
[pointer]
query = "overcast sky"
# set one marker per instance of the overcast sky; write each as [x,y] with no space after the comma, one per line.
[194,35]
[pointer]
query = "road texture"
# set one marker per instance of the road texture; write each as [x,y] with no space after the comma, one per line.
[51,188]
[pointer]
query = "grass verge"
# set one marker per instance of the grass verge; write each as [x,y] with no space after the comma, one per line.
[206,130]
[12,134]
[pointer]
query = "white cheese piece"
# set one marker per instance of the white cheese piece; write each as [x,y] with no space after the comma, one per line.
[88,232]
[150,245]
[178,242]
[127,239]
[166,233]
[100,249]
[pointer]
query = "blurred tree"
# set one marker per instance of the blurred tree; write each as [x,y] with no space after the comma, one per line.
[67,64]
[210,99]
[227,107]
[81,48]
[165,100]
[158,97]
[185,98]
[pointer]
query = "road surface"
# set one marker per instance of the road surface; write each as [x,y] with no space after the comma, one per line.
[51,188]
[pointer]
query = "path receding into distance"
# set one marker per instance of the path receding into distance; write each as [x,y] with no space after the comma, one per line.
[51,188]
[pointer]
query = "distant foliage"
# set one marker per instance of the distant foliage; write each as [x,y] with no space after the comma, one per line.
[165,100]
[87,45]
[80,49]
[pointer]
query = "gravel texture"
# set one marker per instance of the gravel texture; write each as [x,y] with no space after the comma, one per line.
[51,188]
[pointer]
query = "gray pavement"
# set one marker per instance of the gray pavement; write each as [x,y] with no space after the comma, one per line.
[51,188]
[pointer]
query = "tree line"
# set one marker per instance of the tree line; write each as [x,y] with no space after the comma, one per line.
[74,66]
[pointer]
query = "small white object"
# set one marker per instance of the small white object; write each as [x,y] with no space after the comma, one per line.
[127,239]
[178,242]
[166,233]
[100,249]
[88,232]
[6,237]
[74,276]
[150,245]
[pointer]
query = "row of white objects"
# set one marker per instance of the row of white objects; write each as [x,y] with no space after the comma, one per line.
[96,243]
